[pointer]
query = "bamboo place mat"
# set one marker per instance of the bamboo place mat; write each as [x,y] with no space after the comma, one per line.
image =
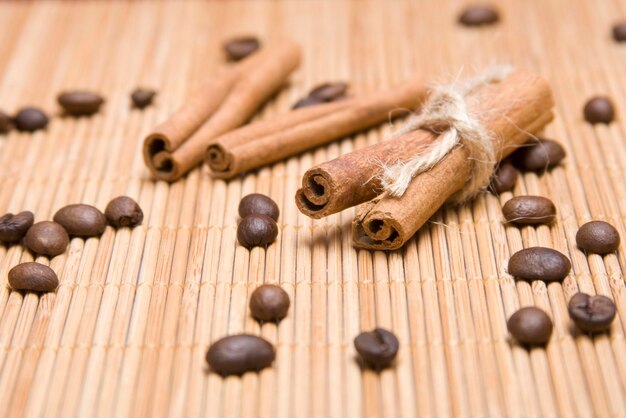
[126,333]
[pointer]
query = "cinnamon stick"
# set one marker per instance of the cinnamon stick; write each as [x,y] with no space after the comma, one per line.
[269,141]
[512,111]
[222,104]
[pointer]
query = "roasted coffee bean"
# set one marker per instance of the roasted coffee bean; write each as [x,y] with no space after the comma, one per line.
[538,155]
[241,353]
[81,220]
[539,263]
[46,238]
[80,103]
[258,204]
[328,92]
[479,15]
[307,101]
[30,119]
[142,98]
[123,211]
[33,277]
[529,210]
[599,109]
[378,348]
[6,123]
[530,326]
[269,303]
[504,178]
[619,32]
[14,227]
[591,313]
[257,231]
[598,237]
[239,48]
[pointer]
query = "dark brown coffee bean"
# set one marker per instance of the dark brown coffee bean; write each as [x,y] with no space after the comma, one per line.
[538,155]
[529,210]
[46,238]
[258,204]
[591,313]
[619,32]
[269,303]
[378,348]
[530,326]
[479,15]
[239,48]
[307,101]
[6,123]
[14,227]
[237,354]
[80,103]
[598,237]
[504,178]
[599,109]
[33,277]
[257,231]
[123,211]
[81,220]
[30,119]
[142,98]
[328,92]
[539,263]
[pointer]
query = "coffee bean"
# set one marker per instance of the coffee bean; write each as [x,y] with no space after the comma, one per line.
[6,123]
[81,220]
[47,238]
[14,227]
[142,98]
[378,348]
[530,326]
[538,155]
[269,303]
[258,204]
[33,277]
[479,15]
[598,237]
[257,231]
[237,354]
[328,92]
[80,103]
[599,109]
[307,101]
[504,178]
[30,119]
[529,210]
[619,32]
[539,263]
[239,48]
[591,313]
[123,211]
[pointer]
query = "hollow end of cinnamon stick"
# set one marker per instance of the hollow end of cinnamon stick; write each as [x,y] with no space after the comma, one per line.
[377,232]
[158,157]
[314,199]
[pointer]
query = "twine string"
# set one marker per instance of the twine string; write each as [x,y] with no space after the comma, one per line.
[446,113]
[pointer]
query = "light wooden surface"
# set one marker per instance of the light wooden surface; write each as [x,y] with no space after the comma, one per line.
[126,333]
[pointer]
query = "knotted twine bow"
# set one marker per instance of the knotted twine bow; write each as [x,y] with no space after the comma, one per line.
[446,112]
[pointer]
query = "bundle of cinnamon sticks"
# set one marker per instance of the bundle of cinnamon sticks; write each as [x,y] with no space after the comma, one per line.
[512,111]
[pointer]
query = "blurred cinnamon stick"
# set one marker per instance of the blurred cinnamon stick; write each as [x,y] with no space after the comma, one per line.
[224,103]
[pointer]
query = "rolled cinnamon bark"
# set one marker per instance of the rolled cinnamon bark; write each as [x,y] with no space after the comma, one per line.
[512,110]
[238,152]
[226,102]
[219,155]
